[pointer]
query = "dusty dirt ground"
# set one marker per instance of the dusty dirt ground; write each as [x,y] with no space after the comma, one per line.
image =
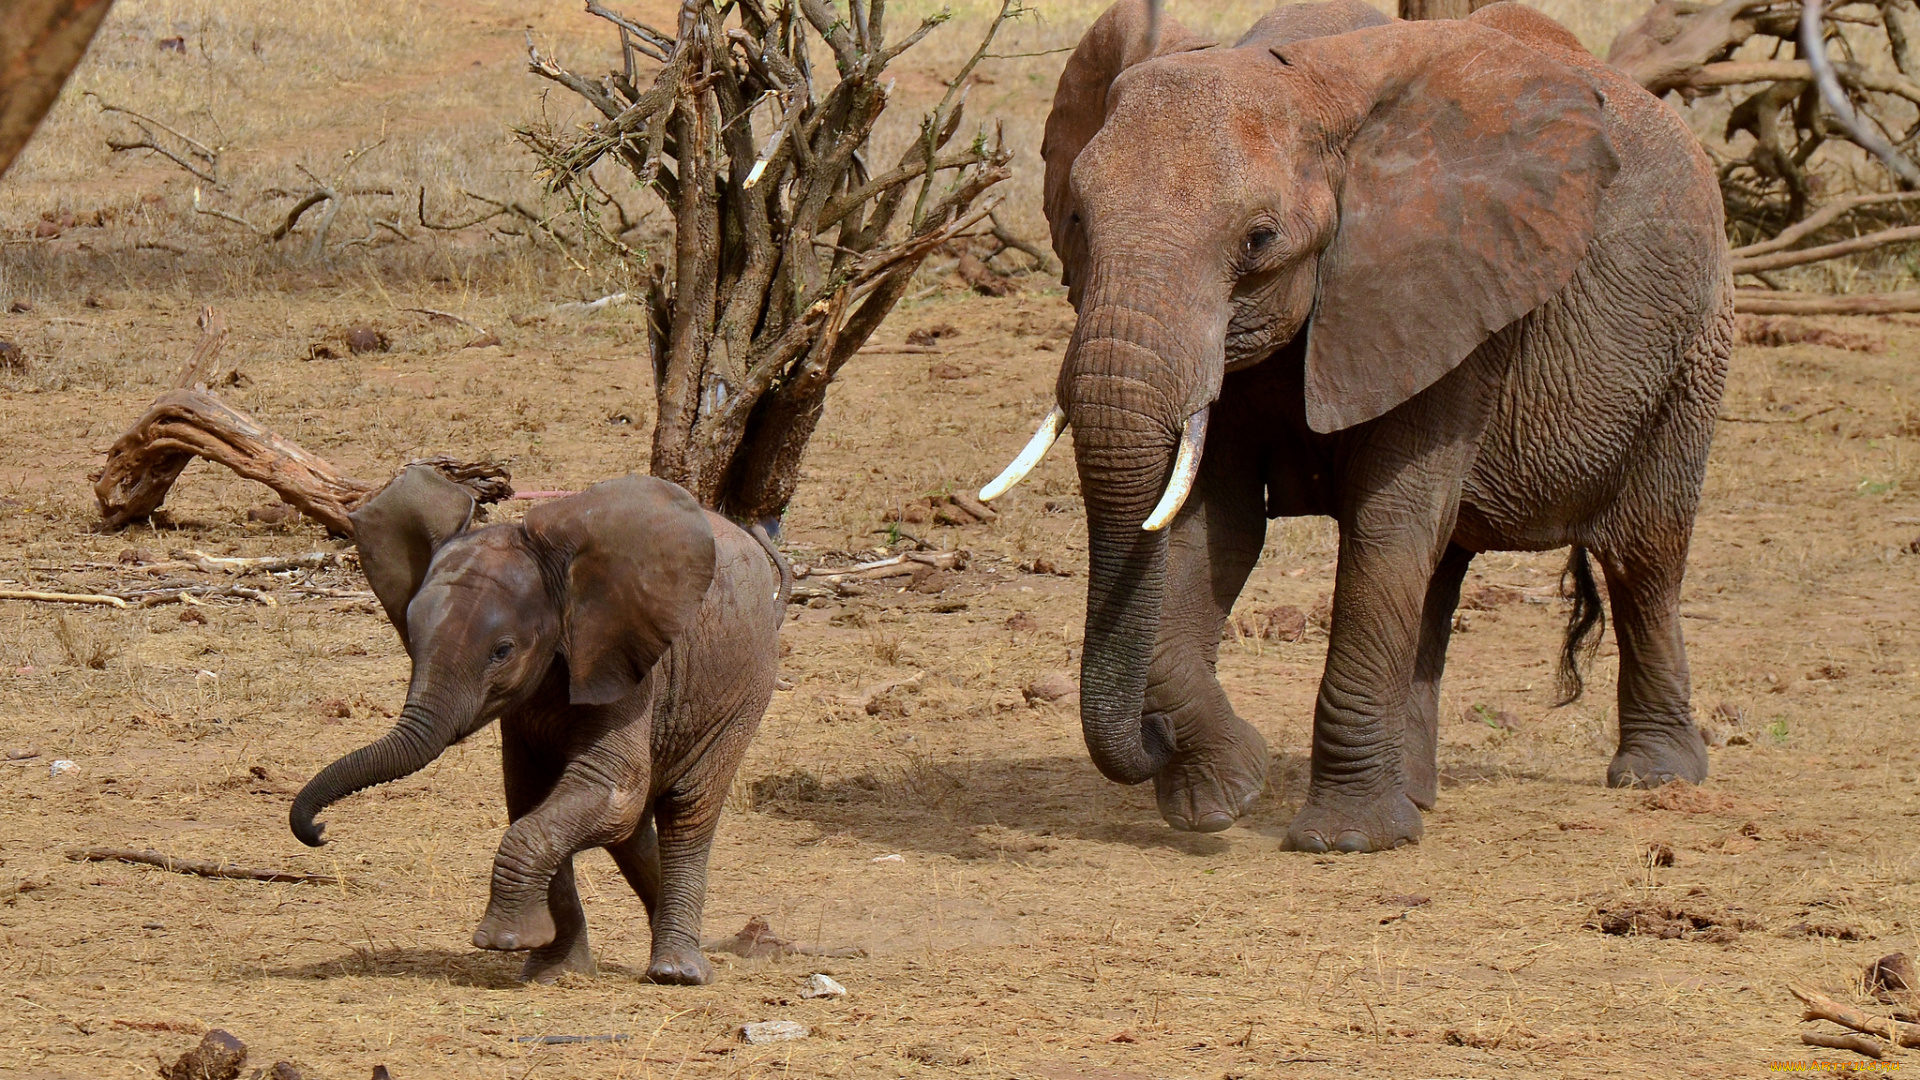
[1021,916]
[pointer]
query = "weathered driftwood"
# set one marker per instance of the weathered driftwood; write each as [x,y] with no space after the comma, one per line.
[185,424]
[62,598]
[1821,1007]
[1859,1044]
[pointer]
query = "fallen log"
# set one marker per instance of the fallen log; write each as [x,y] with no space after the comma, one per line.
[1768,302]
[189,866]
[1821,1007]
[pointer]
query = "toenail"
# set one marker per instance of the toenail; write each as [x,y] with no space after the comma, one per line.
[1352,841]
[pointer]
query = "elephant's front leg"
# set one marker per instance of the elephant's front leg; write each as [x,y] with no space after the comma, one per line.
[529,779]
[1219,763]
[1398,513]
[598,799]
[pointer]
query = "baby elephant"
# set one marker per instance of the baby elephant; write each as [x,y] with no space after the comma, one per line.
[627,640]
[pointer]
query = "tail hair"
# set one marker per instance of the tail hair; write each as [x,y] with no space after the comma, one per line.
[1586,623]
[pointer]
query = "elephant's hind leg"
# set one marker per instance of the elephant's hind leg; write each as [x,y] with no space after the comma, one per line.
[1658,740]
[638,857]
[1419,747]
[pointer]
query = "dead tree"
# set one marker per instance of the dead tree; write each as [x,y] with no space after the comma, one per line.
[1817,91]
[789,245]
[41,41]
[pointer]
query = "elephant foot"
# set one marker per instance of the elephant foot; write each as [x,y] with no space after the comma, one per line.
[1650,757]
[679,965]
[1207,788]
[546,965]
[1336,823]
[532,928]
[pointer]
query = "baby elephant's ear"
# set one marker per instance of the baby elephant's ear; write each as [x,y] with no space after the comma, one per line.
[398,530]
[637,554]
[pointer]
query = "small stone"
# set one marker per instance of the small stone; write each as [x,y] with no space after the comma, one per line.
[62,766]
[336,707]
[271,514]
[1022,623]
[888,858]
[1659,854]
[1891,974]
[1053,686]
[823,986]
[773,1031]
[134,556]
[365,339]
[218,1057]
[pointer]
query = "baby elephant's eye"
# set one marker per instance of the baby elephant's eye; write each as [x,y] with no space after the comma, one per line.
[502,651]
[1257,241]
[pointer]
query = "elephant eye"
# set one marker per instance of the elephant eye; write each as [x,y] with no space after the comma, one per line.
[1257,241]
[502,651]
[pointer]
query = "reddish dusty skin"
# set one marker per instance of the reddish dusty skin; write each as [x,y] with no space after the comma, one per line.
[627,642]
[1520,317]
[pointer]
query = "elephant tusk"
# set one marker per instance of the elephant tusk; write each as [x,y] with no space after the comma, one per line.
[1186,466]
[1037,448]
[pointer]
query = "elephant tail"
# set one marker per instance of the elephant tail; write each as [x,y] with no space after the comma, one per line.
[760,533]
[1586,623]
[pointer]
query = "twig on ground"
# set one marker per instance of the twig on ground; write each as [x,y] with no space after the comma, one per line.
[1777,419]
[1821,1007]
[188,866]
[1859,1044]
[62,598]
[433,313]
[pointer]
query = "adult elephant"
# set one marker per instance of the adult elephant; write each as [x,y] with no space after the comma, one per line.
[1456,285]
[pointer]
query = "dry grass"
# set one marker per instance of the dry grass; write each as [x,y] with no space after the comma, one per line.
[1036,913]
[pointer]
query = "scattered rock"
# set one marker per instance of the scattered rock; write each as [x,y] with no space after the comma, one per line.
[1659,854]
[287,1070]
[62,765]
[1054,686]
[175,43]
[893,700]
[823,986]
[366,339]
[1890,975]
[1696,920]
[941,369]
[927,335]
[336,707]
[135,556]
[1040,564]
[1833,930]
[484,341]
[271,514]
[218,1057]
[1828,672]
[980,277]
[1022,623]
[12,357]
[773,1031]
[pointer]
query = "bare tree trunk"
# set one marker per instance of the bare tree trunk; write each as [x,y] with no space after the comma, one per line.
[1440,9]
[790,245]
[41,41]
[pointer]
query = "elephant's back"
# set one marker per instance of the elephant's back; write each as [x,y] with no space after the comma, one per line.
[1610,389]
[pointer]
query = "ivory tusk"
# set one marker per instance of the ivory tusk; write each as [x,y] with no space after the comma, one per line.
[1037,448]
[1186,466]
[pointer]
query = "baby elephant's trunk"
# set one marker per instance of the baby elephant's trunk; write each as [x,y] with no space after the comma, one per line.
[401,752]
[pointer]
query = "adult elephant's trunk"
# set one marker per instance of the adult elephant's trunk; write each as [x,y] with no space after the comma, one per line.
[1129,388]
[413,743]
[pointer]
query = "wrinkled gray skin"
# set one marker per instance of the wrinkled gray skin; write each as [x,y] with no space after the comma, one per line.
[628,643]
[1457,286]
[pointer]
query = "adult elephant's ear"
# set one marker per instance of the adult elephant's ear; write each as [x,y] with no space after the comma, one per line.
[1116,41]
[397,531]
[1472,179]
[636,555]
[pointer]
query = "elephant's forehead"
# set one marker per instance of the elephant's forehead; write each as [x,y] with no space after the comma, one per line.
[1191,120]
[485,564]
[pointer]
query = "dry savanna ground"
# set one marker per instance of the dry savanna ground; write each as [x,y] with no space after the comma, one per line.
[1019,916]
